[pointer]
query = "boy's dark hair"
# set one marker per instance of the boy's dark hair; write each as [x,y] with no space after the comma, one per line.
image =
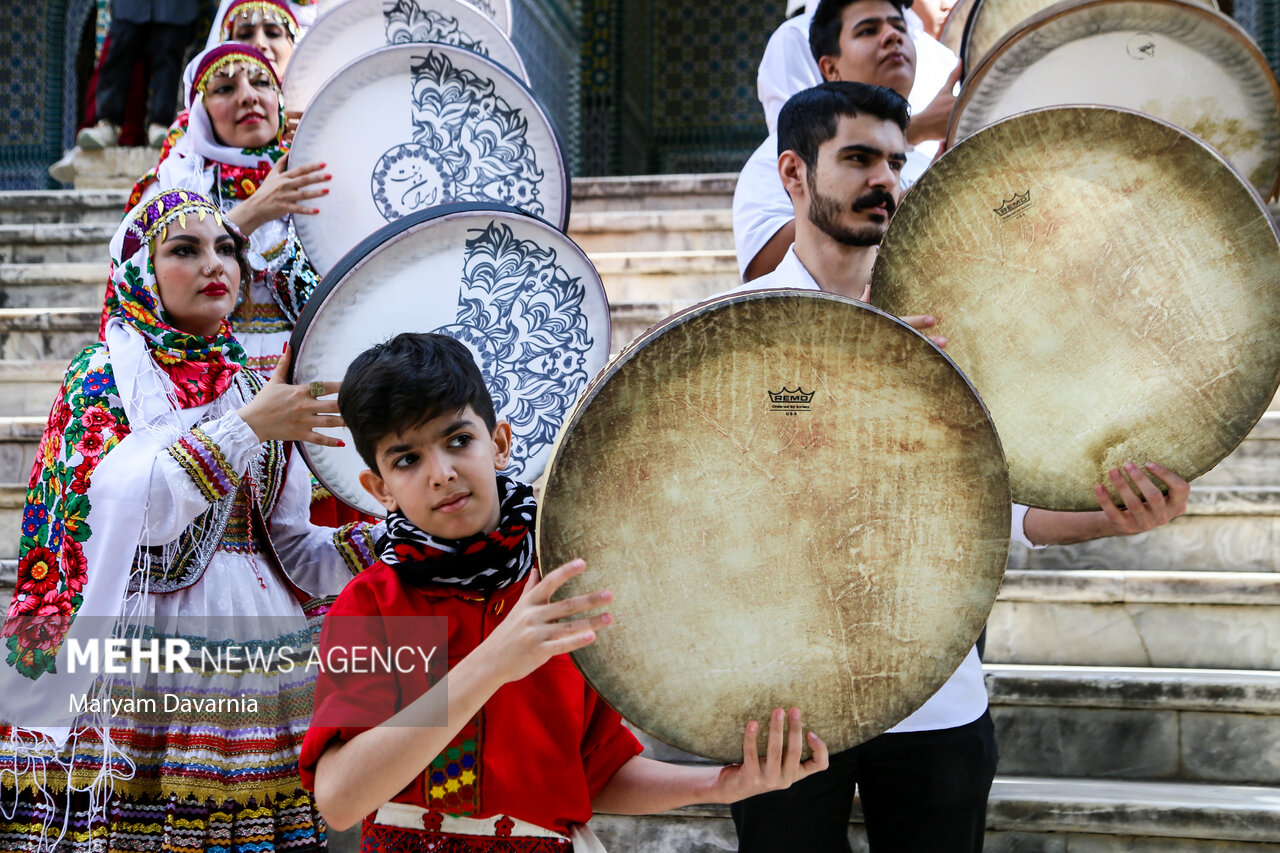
[405,382]
[810,117]
[824,32]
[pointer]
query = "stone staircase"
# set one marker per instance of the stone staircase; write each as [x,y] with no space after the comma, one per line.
[1135,684]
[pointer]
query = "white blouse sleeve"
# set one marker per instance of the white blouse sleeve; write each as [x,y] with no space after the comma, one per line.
[1019,532]
[319,560]
[202,466]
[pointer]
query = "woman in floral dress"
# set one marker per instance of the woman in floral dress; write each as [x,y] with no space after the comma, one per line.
[165,505]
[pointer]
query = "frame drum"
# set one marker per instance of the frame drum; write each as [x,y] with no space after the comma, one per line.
[498,10]
[1179,61]
[797,500]
[519,293]
[357,27]
[410,127]
[990,20]
[1108,282]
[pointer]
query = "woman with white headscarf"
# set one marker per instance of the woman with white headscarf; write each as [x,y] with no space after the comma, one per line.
[233,152]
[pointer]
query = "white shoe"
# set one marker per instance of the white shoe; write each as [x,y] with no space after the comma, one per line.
[102,135]
[156,134]
[64,170]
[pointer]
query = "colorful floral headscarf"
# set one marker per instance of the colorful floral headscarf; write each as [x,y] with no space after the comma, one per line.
[200,367]
[88,420]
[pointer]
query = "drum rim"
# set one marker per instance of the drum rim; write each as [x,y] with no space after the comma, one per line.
[508,12]
[1257,200]
[392,233]
[1059,10]
[966,39]
[520,71]
[561,155]
[627,353]
[967,7]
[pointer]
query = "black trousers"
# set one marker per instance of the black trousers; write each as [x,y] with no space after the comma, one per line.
[163,45]
[922,792]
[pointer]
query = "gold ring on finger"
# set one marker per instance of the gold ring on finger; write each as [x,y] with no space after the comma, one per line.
[317,388]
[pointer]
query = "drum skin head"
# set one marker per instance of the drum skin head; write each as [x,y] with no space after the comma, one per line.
[797,501]
[990,20]
[1109,284]
[410,127]
[1178,61]
[520,294]
[356,27]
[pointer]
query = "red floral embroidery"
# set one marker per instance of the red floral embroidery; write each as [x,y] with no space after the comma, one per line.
[43,622]
[38,572]
[96,417]
[91,445]
[80,483]
[74,568]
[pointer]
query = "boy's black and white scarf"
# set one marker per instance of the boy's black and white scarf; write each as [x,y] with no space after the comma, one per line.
[482,563]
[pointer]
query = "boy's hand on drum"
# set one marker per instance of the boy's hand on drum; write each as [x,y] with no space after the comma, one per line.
[285,191]
[781,766]
[284,412]
[533,632]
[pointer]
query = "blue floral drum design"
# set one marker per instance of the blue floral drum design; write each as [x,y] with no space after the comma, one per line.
[437,125]
[518,292]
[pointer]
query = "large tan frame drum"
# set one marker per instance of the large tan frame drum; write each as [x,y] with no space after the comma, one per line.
[1175,60]
[1109,284]
[990,20]
[797,501]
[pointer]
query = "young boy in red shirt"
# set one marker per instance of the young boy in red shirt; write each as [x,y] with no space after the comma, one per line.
[529,750]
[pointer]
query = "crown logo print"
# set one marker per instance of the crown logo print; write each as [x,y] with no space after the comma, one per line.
[790,402]
[1015,205]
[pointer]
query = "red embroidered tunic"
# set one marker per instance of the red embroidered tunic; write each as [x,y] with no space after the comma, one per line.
[539,750]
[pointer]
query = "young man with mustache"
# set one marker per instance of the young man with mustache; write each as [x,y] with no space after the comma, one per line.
[865,41]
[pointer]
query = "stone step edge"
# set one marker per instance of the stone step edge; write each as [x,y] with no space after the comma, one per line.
[1221,691]
[664,262]
[1097,586]
[45,233]
[586,222]
[73,199]
[1113,807]
[709,183]
[57,273]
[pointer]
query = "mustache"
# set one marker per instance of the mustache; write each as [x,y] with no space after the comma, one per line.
[876,198]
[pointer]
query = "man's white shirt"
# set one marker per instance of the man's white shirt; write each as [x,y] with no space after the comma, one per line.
[963,697]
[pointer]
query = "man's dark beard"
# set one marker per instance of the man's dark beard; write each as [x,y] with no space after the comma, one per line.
[824,212]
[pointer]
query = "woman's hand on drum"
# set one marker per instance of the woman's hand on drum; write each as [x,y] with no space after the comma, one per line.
[285,191]
[534,631]
[781,765]
[284,412]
